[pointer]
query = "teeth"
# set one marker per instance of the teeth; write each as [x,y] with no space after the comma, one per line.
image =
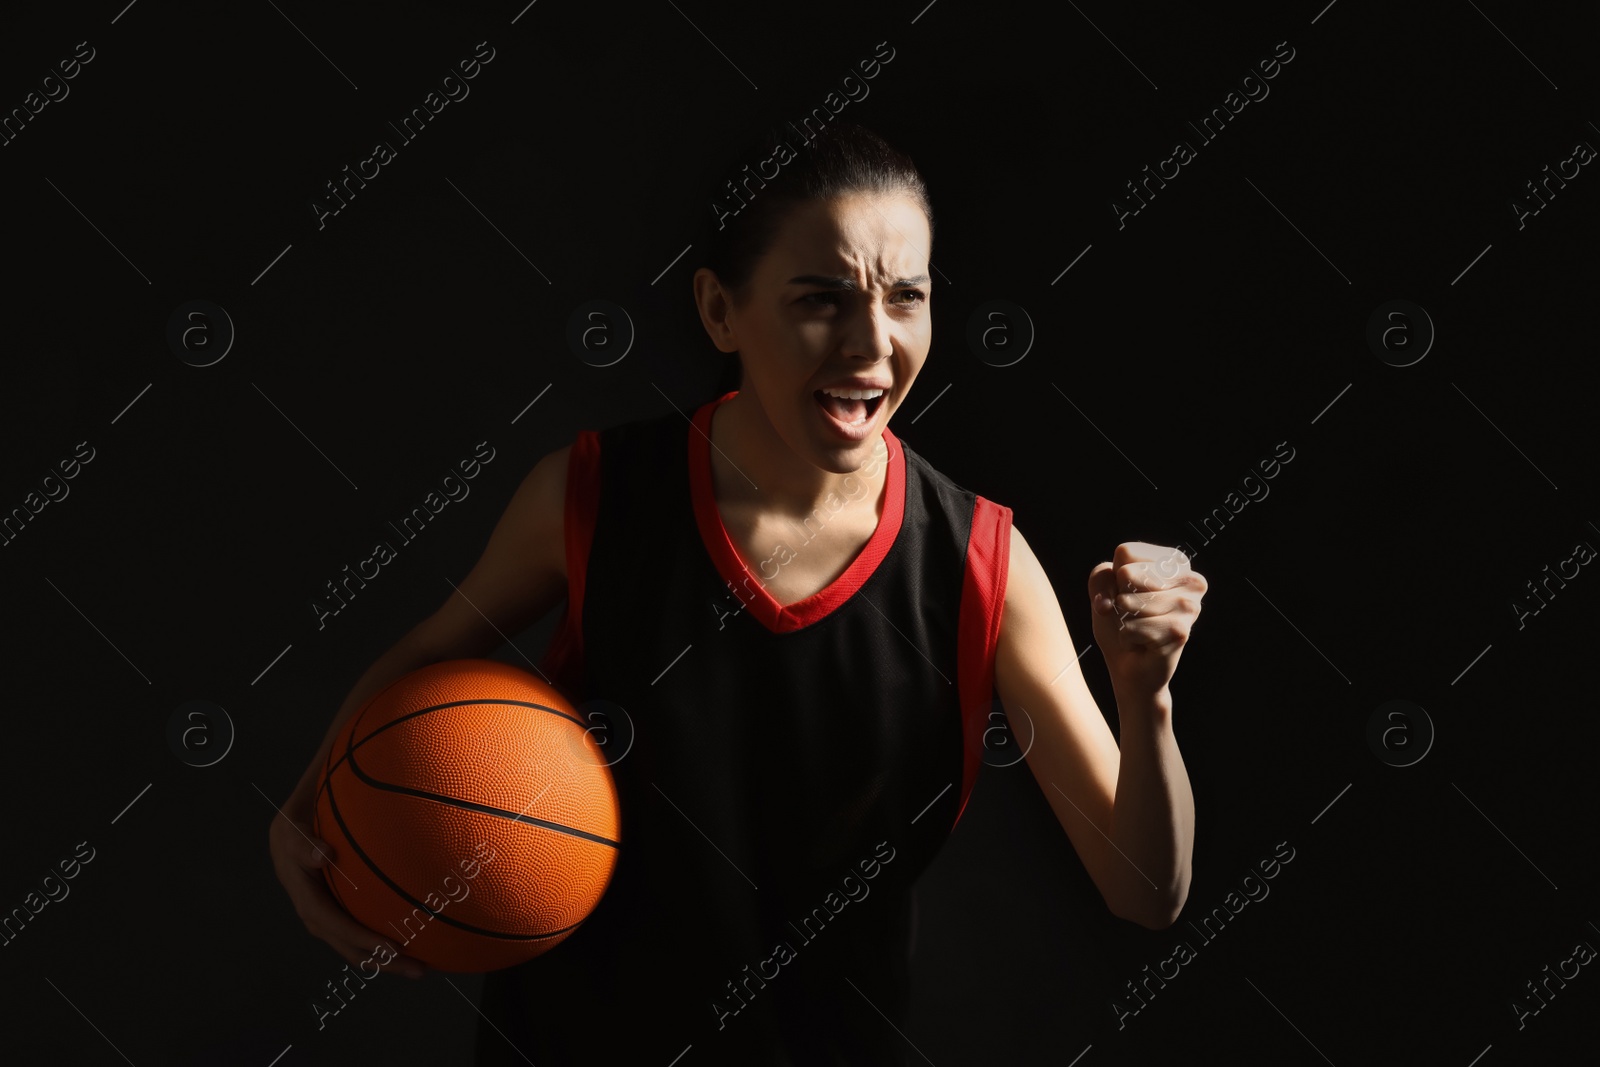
[854,394]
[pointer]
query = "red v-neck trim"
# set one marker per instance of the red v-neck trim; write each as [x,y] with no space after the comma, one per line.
[747,584]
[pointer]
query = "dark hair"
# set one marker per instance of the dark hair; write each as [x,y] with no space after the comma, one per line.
[747,206]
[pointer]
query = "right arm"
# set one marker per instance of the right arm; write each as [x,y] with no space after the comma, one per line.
[521,576]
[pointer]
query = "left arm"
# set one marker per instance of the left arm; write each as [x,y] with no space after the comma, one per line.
[1130,812]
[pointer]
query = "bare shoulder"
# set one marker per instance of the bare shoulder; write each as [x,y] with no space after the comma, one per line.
[540,506]
[519,578]
[1030,599]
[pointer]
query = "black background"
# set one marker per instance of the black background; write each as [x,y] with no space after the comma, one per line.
[1226,317]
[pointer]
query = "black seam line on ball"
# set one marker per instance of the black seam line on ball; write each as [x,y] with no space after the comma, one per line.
[351,746]
[375,869]
[438,707]
[472,805]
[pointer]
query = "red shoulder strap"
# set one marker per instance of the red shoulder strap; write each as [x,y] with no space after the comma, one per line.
[983,596]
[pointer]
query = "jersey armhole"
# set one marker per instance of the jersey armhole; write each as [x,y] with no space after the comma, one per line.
[983,596]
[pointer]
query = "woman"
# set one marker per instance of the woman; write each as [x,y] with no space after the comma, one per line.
[806,625]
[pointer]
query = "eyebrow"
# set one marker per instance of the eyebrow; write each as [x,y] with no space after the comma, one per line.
[848,284]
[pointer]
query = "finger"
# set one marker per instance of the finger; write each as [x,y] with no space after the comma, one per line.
[387,955]
[317,853]
[1146,576]
[358,944]
[1164,556]
[409,966]
[376,954]
[325,917]
[1137,551]
[1148,605]
[317,858]
[1152,567]
[1102,588]
[1171,563]
[300,840]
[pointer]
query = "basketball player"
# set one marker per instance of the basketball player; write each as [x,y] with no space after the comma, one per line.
[805,623]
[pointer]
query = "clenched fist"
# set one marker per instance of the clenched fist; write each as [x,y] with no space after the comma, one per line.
[1143,603]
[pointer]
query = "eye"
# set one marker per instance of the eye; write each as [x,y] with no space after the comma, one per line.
[831,298]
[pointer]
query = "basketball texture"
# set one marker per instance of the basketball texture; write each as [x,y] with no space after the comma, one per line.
[473,819]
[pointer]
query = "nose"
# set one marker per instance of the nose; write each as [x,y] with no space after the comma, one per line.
[868,334]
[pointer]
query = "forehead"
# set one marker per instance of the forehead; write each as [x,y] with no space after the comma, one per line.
[862,233]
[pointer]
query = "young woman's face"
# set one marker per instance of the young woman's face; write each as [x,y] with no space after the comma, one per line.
[842,294]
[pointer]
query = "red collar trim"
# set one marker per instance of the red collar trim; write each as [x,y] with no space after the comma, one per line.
[745,583]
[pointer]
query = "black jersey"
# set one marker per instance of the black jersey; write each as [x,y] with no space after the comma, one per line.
[785,772]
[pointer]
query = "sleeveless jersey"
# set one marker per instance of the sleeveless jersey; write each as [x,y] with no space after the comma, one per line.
[785,772]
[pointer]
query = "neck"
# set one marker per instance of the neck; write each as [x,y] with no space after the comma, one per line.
[746,450]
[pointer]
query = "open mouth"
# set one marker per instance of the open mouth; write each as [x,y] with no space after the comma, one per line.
[849,412]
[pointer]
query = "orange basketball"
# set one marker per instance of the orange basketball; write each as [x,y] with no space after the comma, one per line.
[472,818]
